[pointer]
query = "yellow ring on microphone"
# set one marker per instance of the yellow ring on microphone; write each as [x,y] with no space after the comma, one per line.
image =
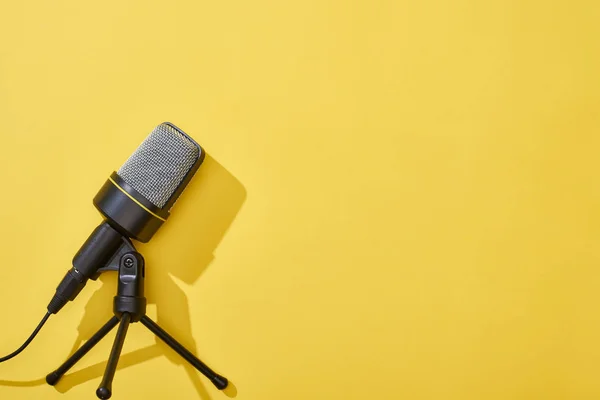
[136,202]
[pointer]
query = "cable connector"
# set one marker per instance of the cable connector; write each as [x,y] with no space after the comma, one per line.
[67,290]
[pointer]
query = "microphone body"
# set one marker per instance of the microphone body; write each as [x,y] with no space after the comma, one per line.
[135,201]
[95,253]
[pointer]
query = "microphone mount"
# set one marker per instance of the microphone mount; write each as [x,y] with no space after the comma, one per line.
[129,306]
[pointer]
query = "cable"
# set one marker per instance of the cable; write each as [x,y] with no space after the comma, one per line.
[35,332]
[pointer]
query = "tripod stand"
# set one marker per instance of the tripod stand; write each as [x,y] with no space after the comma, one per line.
[129,306]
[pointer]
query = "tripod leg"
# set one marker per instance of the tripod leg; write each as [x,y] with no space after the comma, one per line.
[53,377]
[105,389]
[219,381]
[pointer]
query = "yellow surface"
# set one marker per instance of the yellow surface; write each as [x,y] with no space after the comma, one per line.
[401,201]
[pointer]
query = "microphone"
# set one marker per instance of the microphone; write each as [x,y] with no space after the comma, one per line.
[134,201]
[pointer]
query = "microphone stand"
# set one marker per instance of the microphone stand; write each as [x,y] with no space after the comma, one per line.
[129,306]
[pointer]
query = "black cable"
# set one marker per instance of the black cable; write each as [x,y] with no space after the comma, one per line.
[35,332]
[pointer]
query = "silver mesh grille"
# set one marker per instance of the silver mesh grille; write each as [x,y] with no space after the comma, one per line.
[160,164]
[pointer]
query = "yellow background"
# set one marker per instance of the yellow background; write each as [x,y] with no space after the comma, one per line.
[401,201]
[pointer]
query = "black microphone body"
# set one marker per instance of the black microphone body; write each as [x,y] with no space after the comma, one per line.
[135,202]
[95,253]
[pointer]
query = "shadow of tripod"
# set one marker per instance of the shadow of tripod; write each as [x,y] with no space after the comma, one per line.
[205,211]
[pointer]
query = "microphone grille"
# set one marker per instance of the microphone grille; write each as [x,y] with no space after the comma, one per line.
[161,163]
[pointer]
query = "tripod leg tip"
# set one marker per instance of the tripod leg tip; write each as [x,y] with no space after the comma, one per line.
[103,393]
[52,378]
[220,382]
